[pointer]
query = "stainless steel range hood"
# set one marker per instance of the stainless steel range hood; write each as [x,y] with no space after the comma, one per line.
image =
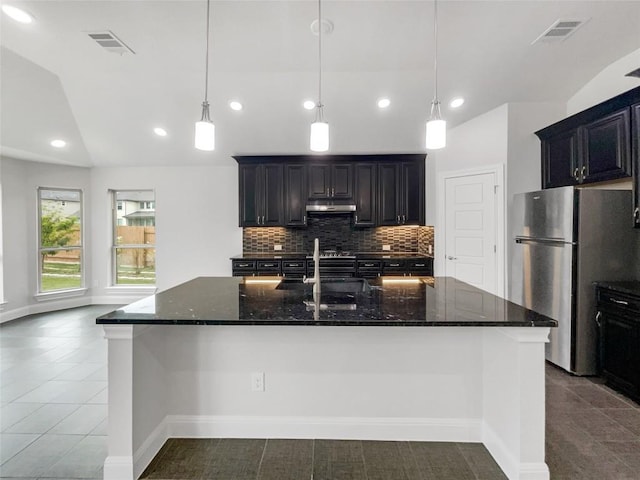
[330,208]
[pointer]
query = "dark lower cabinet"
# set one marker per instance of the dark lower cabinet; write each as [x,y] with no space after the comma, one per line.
[249,268]
[618,318]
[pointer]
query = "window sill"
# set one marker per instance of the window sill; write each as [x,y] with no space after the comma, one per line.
[60,294]
[132,289]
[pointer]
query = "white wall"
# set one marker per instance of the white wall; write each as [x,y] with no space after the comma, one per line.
[608,83]
[196,222]
[20,181]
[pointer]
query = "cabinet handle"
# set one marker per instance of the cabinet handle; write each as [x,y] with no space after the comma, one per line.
[419,265]
[394,264]
[583,171]
[619,302]
[304,219]
[636,215]
[398,221]
[267,264]
[243,264]
[356,218]
[575,174]
[598,317]
[327,191]
[404,219]
[333,192]
[369,265]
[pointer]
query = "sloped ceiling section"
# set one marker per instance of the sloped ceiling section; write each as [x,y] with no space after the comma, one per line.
[264,55]
[34,110]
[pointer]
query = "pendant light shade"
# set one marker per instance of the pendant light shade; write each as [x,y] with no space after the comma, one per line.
[319,137]
[205,138]
[319,140]
[436,131]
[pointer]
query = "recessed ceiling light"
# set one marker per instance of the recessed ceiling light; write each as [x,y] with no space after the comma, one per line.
[237,106]
[161,132]
[309,104]
[58,143]
[17,14]
[456,102]
[384,103]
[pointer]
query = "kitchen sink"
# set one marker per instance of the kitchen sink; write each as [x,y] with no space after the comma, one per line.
[328,285]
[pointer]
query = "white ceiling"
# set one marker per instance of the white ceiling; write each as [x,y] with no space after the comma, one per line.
[58,83]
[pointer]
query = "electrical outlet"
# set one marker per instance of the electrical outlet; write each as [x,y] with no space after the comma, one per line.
[386,247]
[277,247]
[257,382]
[430,249]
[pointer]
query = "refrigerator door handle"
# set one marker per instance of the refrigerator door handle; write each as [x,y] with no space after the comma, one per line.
[548,241]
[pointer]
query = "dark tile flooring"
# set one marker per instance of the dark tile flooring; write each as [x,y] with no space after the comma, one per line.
[53,425]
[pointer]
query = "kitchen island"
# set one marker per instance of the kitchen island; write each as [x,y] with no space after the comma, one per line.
[234,357]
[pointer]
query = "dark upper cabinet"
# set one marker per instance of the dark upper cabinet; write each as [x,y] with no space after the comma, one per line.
[365,194]
[295,195]
[330,180]
[560,159]
[606,150]
[635,161]
[591,146]
[260,189]
[401,193]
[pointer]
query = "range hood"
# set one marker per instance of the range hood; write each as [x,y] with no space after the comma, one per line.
[330,208]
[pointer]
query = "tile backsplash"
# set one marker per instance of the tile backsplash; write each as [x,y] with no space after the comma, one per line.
[337,232]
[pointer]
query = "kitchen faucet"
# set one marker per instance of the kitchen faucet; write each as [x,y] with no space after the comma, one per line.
[315,280]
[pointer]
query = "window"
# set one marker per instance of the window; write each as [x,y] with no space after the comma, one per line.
[134,237]
[60,237]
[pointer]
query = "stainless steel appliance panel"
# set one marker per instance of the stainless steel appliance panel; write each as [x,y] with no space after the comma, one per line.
[545,214]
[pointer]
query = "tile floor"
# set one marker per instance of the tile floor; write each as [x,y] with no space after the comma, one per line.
[53,424]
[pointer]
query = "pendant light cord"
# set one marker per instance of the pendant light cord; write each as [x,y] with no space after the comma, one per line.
[435,44]
[206,74]
[319,112]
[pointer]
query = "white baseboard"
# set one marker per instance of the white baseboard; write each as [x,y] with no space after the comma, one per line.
[149,448]
[513,469]
[116,299]
[43,307]
[118,468]
[362,428]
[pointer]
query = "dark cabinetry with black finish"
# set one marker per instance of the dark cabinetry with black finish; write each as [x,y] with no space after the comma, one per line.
[591,146]
[401,193]
[635,160]
[260,195]
[330,180]
[295,195]
[618,319]
[365,194]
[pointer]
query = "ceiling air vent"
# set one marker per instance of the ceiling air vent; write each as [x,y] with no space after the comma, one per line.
[635,73]
[110,42]
[559,31]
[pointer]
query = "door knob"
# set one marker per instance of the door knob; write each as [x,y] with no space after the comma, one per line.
[449,257]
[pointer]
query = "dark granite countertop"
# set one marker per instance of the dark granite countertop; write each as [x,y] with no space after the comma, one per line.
[628,287]
[426,302]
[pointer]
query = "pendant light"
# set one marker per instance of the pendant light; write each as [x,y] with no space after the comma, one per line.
[205,138]
[436,132]
[319,138]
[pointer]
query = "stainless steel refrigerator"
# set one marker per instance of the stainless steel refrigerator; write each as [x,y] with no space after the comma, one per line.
[564,239]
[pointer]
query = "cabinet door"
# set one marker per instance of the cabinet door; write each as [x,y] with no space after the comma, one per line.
[560,160]
[388,194]
[606,149]
[250,191]
[365,195]
[342,181]
[295,195]
[620,351]
[412,190]
[319,181]
[271,198]
[635,154]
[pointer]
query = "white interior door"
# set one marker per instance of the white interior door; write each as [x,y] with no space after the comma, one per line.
[470,230]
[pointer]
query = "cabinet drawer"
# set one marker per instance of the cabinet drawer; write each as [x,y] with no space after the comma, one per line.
[268,265]
[293,265]
[243,265]
[369,264]
[422,266]
[607,298]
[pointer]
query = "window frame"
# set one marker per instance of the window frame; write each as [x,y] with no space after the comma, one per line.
[115,246]
[80,247]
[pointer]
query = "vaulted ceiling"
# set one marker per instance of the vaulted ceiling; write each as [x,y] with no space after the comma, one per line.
[56,82]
